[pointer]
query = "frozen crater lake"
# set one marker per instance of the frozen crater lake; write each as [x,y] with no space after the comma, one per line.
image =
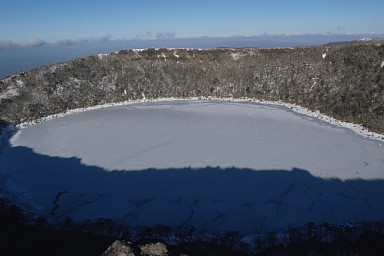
[213,164]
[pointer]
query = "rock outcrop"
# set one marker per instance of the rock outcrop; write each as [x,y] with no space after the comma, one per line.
[344,81]
[154,249]
[123,248]
[120,248]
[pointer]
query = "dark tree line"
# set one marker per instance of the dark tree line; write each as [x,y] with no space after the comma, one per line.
[24,234]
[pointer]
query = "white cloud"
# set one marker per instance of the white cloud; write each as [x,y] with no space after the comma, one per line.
[341,28]
[158,35]
[6,44]
[160,39]
[65,42]
[104,39]
[167,35]
[33,43]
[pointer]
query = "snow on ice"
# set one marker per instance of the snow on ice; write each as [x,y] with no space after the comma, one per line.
[218,165]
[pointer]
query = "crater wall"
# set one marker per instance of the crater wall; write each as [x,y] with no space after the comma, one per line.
[343,81]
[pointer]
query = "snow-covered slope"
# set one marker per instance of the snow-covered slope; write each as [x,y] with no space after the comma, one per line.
[342,81]
[216,165]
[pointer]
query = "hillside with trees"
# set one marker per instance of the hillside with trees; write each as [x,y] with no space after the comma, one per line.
[343,81]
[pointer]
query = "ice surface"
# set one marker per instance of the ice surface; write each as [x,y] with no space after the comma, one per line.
[276,167]
[178,135]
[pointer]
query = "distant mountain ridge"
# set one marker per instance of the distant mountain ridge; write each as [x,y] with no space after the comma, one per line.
[359,41]
[345,81]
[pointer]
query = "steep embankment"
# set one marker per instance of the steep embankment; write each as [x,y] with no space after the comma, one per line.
[344,81]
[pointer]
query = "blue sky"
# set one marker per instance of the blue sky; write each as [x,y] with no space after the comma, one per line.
[53,21]
[42,32]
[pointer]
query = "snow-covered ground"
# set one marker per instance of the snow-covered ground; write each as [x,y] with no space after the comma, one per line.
[215,164]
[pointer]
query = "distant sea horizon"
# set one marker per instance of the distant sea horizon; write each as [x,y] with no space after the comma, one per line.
[20,59]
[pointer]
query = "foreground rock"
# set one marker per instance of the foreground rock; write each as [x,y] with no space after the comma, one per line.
[123,248]
[120,248]
[154,249]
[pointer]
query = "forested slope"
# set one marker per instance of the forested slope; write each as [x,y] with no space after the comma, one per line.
[344,81]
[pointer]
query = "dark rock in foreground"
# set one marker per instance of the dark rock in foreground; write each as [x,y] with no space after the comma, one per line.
[120,248]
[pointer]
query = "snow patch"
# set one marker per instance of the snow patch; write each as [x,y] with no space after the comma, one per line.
[162,56]
[236,56]
[102,55]
[324,55]
[382,64]
[12,90]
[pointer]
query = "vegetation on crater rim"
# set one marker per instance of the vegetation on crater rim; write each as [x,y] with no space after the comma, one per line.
[343,81]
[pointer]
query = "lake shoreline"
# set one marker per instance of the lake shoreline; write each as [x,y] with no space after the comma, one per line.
[355,128]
